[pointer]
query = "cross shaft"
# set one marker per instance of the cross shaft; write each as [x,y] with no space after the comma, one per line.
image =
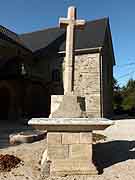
[70,23]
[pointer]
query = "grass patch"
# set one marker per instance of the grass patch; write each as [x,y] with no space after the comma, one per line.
[98,137]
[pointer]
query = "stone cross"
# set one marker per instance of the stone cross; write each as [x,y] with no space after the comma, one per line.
[71,23]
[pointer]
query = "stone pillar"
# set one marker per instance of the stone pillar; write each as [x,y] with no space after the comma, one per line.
[69,154]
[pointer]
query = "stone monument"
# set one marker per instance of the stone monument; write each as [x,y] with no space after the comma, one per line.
[69,136]
[70,105]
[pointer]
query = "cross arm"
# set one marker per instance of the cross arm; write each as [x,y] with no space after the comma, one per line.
[80,24]
[63,22]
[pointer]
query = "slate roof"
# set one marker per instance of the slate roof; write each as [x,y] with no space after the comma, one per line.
[90,37]
[11,37]
[9,33]
[41,39]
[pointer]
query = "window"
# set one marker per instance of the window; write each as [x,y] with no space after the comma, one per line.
[56,75]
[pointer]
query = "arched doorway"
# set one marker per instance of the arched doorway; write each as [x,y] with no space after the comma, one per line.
[5,101]
[37,101]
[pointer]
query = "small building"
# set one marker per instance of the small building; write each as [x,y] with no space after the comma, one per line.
[40,58]
[21,94]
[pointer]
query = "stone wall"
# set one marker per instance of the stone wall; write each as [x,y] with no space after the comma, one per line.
[90,81]
[87,81]
[107,77]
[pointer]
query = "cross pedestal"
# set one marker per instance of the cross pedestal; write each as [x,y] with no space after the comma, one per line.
[69,144]
[65,106]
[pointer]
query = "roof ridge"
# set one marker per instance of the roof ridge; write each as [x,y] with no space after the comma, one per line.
[3,27]
[98,19]
[38,31]
[35,41]
[57,27]
[12,35]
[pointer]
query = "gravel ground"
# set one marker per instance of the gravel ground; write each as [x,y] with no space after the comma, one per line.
[115,157]
[30,154]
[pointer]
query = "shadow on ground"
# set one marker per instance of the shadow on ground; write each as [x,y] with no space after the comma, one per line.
[123,117]
[109,153]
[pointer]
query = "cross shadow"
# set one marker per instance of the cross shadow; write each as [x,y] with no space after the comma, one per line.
[122,117]
[109,153]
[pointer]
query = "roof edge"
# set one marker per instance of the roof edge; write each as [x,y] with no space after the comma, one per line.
[86,50]
[57,27]
[111,42]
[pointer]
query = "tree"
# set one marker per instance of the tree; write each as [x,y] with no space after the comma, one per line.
[117,96]
[115,85]
[128,92]
[124,98]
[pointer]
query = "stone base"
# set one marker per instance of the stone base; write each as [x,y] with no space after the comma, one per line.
[67,106]
[69,145]
[68,154]
[72,167]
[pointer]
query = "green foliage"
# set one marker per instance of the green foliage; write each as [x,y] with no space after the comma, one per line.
[117,100]
[98,137]
[117,96]
[115,85]
[129,95]
[129,102]
[124,98]
[130,84]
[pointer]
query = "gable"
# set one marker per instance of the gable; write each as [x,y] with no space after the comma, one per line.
[108,45]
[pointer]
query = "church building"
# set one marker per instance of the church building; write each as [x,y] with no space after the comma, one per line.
[32,69]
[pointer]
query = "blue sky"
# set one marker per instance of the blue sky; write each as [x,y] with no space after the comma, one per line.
[30,15]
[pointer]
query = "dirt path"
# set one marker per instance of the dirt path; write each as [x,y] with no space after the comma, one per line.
[115,157]
[29,169]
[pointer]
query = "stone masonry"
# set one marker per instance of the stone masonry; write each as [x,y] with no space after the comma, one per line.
[86,81]
[69,145]
[70,153]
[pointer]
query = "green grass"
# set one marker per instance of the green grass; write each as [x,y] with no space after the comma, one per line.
[98,137]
